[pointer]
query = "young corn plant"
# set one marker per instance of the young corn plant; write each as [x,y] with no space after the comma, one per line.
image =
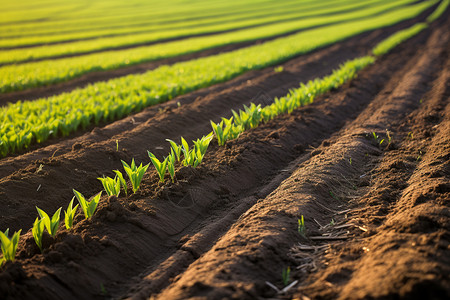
[69,214]
[88,206]
[222,130]
[122,181]
[135,173]
[111,185]
[176,149]
[301,226]
[161,167]
[52,224]
[171,165]
[286,276]
[38,231]
[9,245]
[200,147]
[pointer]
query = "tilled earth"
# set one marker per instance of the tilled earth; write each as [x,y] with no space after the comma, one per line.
[365,165]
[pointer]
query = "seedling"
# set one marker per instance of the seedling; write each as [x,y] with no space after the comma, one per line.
[334,196]
[135,173]
[161,167]
[117,145]
[286,275]
[69,214]
[38,231]
[176,149]
[88,206]
[9,245]
[278,69]
[111,186]
[52,224]
[171,165]
[301,226]
[122,181]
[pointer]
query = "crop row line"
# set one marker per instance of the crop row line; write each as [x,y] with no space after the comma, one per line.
[27,122]
[34,74]
[167,30]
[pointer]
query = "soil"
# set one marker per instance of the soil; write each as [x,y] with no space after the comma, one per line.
[365,165]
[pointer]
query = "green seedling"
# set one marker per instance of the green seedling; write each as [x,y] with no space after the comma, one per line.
[301,226]
[111,186]
[176,149]
[117,145]
[69,214]
[52,224]
[88,206]
[286,275]
[334,196]
[350,160]
[135,174]
[161,167]
[200,147]
[375,136]
[171,165]
[122,181]
[278,69]
[9,245]
[38,231]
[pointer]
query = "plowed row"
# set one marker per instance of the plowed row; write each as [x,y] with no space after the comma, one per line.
[230,226]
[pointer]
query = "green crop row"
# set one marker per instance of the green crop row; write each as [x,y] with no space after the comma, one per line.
[33,74]
[397,38]
[61,30]
[228,129]
[29,122]
[219,25]
[388,44]
[439,11]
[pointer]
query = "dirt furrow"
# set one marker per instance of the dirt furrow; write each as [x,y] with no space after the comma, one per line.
[257,247]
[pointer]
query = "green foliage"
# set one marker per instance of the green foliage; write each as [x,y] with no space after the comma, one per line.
[38,231]
[111,185]
[392,41]
[122,181]
[286,275]
[69,214]
[176,149]
[45,72]
[194,157]
[28,122]
[171,164]
[438,11]
[301,228]
[88,206]
[9,245]
[51,224]
[226,130]
[161,167]
[135,173]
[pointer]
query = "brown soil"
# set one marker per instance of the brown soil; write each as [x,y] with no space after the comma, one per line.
[91,77]
[377,216]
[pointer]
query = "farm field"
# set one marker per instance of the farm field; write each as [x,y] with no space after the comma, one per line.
[318,167]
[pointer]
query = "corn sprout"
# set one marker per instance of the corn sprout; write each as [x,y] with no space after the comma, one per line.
[88,206]
[135,173]
[9,245]
[69,214]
